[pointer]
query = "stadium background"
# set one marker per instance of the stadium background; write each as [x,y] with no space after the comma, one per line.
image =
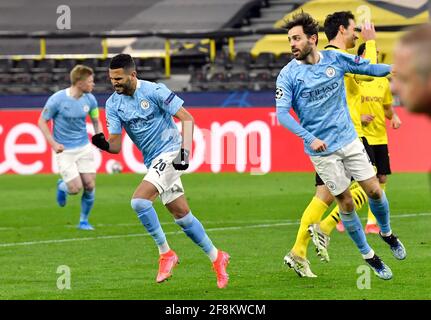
[221,56]
[230,77]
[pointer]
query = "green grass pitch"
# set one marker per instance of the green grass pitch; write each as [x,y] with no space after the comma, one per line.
[254,218]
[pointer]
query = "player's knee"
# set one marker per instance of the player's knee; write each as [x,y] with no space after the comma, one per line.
[74,189]
[141,205]
[324,195]
[375,192]
[382,178]
[346,202]
[178,210]
[89,187]
[349,206]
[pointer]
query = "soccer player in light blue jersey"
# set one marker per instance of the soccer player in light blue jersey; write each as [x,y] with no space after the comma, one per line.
[68,110]
[145,110]
[312,85]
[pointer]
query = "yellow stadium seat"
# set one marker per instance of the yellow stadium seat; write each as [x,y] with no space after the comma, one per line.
[363,10]
[279,43]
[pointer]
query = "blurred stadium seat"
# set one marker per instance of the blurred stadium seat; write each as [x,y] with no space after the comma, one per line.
[249,65]
[43,65]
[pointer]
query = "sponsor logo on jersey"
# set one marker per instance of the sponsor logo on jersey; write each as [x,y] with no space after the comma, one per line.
[371,99]
[138,123]
[317,93]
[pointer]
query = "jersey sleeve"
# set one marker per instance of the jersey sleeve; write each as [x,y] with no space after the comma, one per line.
[355,64]
[370,54]
[283,102]
[371,51]
[167,100]
[51,108]
[388,98]
[94,109]
[113,121]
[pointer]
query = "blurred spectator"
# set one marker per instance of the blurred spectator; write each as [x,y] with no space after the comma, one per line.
[412,66]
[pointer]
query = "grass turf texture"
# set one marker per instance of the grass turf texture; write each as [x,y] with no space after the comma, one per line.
[254,218]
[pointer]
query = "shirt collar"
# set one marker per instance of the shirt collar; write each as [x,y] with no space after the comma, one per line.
[321,58]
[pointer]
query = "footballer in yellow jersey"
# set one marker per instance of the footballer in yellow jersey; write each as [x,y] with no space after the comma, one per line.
[376,107]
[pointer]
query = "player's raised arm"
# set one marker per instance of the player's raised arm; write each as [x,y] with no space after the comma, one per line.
[358,65]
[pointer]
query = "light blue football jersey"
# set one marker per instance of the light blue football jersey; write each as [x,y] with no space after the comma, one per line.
[317,95]
[147,118]
[69,117]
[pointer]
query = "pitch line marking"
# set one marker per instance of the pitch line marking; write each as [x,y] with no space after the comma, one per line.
[29,243]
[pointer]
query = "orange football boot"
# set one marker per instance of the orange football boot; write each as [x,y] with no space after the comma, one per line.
[167,262]
[219,267]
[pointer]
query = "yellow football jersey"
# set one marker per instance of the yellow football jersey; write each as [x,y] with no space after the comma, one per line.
[375,95]
[353,87]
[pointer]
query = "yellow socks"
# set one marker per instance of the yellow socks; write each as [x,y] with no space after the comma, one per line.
[312,214]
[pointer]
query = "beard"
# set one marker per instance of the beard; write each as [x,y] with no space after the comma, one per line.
[119,89]
[123,88]
[303,54]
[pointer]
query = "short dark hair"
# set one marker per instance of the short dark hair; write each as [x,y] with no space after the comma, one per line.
[334,21]
[307,23]
[122,60]
[361,49]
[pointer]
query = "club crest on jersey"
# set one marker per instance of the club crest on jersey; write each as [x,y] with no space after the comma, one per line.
[278,93]
[331,185]
[330,72]
[86,108]
[145,104]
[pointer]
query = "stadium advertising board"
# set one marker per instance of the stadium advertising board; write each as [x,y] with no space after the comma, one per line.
[225,140]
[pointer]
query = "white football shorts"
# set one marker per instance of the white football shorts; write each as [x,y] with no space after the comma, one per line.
[72,162]
[165,178]
[337,169]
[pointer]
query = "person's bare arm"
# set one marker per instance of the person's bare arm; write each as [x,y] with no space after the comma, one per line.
[392,116]
[97,125]
[187,123]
